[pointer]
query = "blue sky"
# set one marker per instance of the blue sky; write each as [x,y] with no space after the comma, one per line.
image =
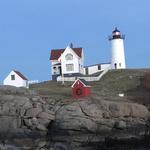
[29,29]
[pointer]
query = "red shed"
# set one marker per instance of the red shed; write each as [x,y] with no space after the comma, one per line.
[80,88]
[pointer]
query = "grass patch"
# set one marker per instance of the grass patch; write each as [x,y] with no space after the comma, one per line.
[53,89]
[110,85]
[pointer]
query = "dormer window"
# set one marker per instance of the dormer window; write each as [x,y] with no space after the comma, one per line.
[69,57]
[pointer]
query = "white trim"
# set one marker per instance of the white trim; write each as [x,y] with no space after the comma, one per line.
[81,82]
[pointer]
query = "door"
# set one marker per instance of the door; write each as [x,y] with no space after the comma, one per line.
[86,71]
[60,70]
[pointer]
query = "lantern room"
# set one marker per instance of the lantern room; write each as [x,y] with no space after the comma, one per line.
[116,34]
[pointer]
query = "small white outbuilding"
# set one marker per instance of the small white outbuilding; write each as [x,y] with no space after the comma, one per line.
[15,78]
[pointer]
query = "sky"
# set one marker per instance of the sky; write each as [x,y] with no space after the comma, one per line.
[29,29]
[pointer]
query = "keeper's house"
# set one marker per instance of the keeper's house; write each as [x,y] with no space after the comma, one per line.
[68,63]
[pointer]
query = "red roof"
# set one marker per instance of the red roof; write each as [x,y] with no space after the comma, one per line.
[21,75]
[56,53]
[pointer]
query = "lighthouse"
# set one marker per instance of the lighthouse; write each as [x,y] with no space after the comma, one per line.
[117,50]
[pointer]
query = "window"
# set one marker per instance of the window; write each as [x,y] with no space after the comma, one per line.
[115,65]
[69,67]
[13,77]
[99,67]
[54,68]
[119,64]
[69,57]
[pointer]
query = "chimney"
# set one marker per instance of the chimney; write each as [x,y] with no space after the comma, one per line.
[71,45]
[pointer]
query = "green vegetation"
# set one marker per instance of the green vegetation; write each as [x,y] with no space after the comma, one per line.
[118,81]
[114,82]
[53,89]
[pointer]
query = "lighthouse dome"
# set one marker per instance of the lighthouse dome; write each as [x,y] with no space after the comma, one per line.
[116,34]
[116,30]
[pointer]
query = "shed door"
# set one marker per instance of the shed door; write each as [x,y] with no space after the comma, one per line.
[78,91]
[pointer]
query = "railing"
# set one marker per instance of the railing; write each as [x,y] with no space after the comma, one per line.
[111,37]
[33,82]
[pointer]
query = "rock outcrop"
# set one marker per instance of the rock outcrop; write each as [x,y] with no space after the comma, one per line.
[89,120]
[30,121]
[24,117]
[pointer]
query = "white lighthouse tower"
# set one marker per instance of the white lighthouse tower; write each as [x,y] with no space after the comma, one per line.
[117,50]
